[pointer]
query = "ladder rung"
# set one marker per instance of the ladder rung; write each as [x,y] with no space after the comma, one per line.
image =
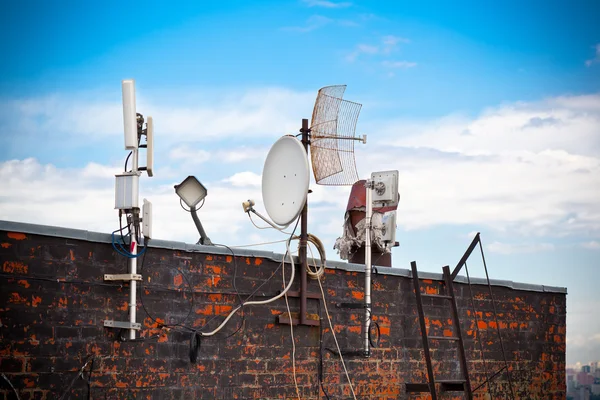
[438,296]
[452,385]
[442,337]
[417,387]
[445,385]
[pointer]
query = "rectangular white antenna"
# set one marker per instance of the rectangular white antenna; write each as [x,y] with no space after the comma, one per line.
[385,187]
[147,219]
[389,227]
[129,114]
[149,146]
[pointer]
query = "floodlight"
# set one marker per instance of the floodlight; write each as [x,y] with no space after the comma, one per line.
[191,191]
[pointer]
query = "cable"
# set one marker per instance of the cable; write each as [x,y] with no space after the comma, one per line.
[89,382]
[260,302]
[189,209]
[11,386]
[66,392]
[335,339]
[267,227]
[258,244]
[126,160]
[287,304]
[318,272]
[122,251]
[189,285]
[314,240]
[320,369]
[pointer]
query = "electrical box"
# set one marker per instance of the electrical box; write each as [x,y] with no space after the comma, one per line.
[389,227]
[147,219]
[385,188]
[126,191]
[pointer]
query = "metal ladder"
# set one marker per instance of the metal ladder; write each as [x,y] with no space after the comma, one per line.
[463,384]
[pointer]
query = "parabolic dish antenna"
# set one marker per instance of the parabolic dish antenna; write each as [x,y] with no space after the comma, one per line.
[285,180]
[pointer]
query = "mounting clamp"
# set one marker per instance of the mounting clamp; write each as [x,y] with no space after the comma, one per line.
[122,325]
[122,277]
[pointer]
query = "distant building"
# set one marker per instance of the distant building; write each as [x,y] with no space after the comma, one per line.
[596,388]
[585,379]
[587,369]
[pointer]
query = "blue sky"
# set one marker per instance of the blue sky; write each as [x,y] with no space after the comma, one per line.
[491,113]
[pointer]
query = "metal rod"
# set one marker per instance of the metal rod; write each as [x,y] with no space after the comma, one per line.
[478,332]
[487,277]
[368,266]
[317,137]
[465,256]
[487,381]
[458,331]
[203,238]
[304,236]
[259,215]
[415,276]
[133,250]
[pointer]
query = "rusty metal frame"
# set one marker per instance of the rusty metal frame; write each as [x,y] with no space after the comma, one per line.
[463,262]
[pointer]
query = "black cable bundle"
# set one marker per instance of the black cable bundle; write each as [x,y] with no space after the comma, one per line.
[195,341]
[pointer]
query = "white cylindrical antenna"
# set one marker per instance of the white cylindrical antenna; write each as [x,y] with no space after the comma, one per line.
[149,146]
[129,114]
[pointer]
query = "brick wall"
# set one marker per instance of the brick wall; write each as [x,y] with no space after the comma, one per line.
[53,302]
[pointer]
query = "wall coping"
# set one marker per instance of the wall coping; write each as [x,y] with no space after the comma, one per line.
[81,234]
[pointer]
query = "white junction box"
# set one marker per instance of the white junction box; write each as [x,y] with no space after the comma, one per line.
[385,188]
[126,191]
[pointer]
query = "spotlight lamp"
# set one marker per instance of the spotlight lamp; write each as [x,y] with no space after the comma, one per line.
[191,191]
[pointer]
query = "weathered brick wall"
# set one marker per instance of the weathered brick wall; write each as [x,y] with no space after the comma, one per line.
[53,302]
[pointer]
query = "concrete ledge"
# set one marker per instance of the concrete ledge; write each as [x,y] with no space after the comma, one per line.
[80,234]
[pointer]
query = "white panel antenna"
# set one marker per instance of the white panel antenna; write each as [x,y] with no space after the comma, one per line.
[129,114]
[149,146]
[285,180]
[389,227]
[385,188]
[147,219]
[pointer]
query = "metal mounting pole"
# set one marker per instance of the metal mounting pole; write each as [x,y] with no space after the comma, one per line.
[133,250]
[205,240]
[303,294]
[303,236]
[368,216]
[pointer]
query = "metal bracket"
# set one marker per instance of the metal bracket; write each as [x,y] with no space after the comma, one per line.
[351,305]
[122,325]
[122,277]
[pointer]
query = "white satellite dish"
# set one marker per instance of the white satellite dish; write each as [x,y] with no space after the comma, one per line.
[285,180]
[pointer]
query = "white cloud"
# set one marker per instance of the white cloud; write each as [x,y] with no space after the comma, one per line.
[327,4]
[386,46]
[261,112]
[244,179]
[596,58]
[591,245]
[189,155]
[523,169]
[490,171]
[399,64]
[314,22]
[519,248]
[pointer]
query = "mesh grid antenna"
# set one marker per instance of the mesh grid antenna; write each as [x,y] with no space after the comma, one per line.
[333,127]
